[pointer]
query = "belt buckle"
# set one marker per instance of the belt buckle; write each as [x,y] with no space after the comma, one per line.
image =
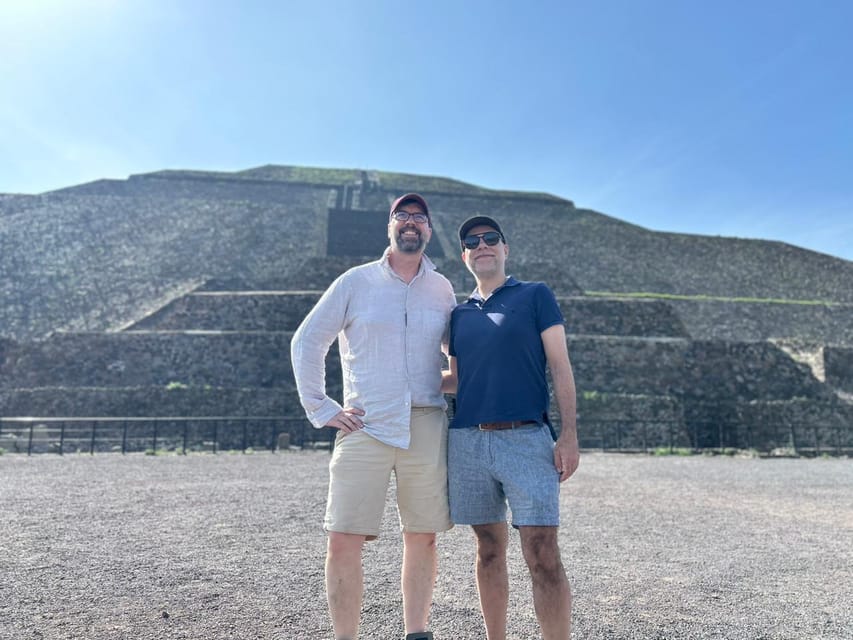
[499,426]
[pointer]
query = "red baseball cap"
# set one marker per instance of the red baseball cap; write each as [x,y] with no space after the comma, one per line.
[409,197]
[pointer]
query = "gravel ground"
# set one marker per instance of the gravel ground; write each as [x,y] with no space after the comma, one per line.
[230,546]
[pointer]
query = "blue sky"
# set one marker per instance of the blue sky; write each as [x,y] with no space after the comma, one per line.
[729,118]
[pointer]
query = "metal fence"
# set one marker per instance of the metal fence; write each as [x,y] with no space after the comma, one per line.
[214,434]
[152,435]
[715,435]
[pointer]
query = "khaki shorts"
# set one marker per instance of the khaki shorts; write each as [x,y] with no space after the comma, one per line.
[361,468]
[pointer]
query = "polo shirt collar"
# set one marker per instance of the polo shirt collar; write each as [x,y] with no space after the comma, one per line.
[476,297]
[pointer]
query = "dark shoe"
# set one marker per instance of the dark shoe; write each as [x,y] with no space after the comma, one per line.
[421,635]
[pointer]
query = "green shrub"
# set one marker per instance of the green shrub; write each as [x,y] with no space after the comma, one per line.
[675,451]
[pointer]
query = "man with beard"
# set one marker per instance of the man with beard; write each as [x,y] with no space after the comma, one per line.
[390,317]
[501,448]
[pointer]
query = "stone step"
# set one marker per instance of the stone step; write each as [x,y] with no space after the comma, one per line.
[149,358]
[718,371]
[284,310]
[170,400]
[701,370]
[838,365]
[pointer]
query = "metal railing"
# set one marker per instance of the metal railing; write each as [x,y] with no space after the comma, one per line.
[715,436]
[180,434]
[214,434]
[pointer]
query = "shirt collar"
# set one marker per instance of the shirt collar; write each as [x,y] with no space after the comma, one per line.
[476,297]
[425,264]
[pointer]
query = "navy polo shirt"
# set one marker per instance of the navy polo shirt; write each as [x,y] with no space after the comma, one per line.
[499,354]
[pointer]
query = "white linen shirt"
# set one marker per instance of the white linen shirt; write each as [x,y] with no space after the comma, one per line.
[392,338]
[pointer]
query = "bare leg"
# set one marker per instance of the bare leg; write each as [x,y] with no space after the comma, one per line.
[420,564]
[492,577]
[344,583]
[552,597]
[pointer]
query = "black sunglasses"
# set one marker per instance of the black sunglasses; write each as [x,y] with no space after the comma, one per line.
[491,238]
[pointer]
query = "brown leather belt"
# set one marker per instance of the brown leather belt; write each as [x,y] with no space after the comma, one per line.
[497,426]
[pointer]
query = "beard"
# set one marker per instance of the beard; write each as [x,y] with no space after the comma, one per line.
[406,244]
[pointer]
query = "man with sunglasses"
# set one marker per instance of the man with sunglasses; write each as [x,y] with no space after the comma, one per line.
[390,317]
[501,446]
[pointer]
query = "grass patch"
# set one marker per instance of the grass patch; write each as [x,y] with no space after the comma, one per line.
[675,451]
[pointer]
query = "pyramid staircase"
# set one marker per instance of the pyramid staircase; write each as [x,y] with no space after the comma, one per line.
[210,367]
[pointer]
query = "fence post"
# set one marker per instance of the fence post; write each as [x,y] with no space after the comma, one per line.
[274,436]
[92,443]
[154,441]
[62,437]
[124,439]
[837,440]
[30,443]
[671,443]
[245,435]
[184,446]
[793,431]
[215,436]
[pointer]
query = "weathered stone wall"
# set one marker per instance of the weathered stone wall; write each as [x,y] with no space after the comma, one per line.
[98,262]
[795,424]
[732,320]
[98,256]
[197,263]
[838,364]
[151,401]
[699,371]
[703,371]
[633,392]
[283,311]
[131,359]
[630,421]
[233,311]
[619,317]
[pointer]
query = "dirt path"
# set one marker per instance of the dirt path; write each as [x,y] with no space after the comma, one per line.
[207,547]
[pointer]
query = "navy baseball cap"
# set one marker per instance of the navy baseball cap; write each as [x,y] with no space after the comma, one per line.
[476,221]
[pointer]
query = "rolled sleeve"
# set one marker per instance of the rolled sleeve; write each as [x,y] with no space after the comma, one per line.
[308,350]
[391,335]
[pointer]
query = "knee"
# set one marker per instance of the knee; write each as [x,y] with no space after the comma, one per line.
[424,541]
[543,558]
[344,544]
[490,556]
[491,549]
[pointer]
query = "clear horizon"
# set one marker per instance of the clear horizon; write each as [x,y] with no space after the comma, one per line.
[731,119]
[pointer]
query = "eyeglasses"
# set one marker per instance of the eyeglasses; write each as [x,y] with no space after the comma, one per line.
[402,216]
[491,238]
